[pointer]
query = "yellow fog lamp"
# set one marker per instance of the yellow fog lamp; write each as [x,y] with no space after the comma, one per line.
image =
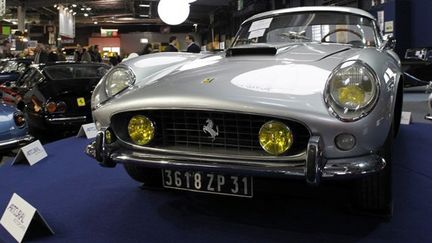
[275,137]
[141,130]
[108,137]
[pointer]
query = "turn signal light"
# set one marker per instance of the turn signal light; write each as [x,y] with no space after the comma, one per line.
[51,107]
[141,130]
[275,137]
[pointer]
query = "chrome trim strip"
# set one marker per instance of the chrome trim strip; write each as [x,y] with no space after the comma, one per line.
[67,119]
[428,117]
[16,141]
[301,156]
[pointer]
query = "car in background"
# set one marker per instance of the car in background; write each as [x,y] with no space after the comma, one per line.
[312,93]
[56,97]
[11,69]
[417,67]
[13,129]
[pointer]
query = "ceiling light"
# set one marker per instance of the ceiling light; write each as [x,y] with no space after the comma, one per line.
[144,5]
[70,11]
[82,9]
[74,5]
[144,15]
[74,13]
[173,12]
[88,9]
[58,7]
[55,5]
[66,8]
[85,14]
[14,22]
[95,22]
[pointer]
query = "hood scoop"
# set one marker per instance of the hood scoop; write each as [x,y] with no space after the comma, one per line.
[252,51]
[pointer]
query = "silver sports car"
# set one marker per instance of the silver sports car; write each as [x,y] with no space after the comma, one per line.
[311,92]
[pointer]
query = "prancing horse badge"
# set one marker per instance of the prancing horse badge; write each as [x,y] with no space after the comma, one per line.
[208,128]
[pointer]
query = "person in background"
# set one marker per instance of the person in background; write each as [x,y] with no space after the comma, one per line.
[115,59]
[98,57]
[191,45]
[172,44]
[41,55]
[5,50]
[146,50]
[81,55]
[94,54]
[52,55]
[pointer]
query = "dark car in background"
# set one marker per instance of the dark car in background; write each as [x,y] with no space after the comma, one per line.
[418,67]
[56,97]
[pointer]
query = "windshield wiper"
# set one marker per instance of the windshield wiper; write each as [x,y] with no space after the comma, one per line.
[296,35]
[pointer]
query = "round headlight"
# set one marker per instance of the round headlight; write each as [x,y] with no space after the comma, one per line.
[352,90]
[141,130]
[118,80]
[275,137]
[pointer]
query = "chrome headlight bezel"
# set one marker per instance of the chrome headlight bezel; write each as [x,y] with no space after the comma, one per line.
[350,114]
[127,81]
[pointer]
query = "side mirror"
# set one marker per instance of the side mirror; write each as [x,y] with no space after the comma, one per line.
[388,44]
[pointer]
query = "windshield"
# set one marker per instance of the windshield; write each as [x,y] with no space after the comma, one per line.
[331,27]
[75,72]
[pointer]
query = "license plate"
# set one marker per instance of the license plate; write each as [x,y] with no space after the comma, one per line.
[240,186]
[81,101]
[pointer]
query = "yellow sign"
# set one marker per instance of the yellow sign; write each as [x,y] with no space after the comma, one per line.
[81,101]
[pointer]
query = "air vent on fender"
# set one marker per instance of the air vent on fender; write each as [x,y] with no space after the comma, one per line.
[270,51]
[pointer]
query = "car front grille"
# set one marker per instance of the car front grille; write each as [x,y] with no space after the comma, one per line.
[184,130]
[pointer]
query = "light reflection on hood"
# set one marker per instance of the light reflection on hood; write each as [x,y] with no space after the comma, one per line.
[294,79]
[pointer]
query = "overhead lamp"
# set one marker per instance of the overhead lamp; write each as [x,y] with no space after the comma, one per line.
[95,22]
[144,15]
[55,5]
[173,12]
[144,5]
[85,14]
[66,8]
[74,13]
[88,9]
[82,9]
[71,10]
[74,5]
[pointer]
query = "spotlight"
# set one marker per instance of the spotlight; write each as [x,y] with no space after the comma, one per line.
[74,5]
[95,22]
[88,9]
[85,14]
[55,5]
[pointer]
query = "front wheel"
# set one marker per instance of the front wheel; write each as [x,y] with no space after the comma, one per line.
[373,194]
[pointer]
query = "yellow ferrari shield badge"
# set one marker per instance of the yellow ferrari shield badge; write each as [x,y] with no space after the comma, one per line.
[207,80]
[81,101]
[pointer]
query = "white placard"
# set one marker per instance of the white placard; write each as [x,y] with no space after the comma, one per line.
[89,130]
[260,24]
[388,26]
[406,118]
[31,153]
[20,216]
[256,33]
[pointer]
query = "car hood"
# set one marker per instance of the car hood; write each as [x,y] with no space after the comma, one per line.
[292,79]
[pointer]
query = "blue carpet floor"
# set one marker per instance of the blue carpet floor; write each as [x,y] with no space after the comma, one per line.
[83,202]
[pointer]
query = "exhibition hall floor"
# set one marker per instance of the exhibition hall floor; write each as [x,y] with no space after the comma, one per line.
[83,202]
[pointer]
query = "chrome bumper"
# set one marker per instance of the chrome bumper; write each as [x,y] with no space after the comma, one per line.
[67,120]
[314,168]
[16,142]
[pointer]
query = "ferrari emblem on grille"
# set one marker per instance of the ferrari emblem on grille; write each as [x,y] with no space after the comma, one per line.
[208,128]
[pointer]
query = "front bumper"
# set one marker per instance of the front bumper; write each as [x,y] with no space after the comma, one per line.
[312,166]
[15,142]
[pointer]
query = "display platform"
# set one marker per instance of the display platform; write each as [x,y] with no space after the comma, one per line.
[83,202]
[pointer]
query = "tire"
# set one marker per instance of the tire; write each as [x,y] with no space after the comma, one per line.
[149,177]
[373,194]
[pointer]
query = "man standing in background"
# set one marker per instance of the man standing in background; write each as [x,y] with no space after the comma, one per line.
[172,44]
[191,46]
